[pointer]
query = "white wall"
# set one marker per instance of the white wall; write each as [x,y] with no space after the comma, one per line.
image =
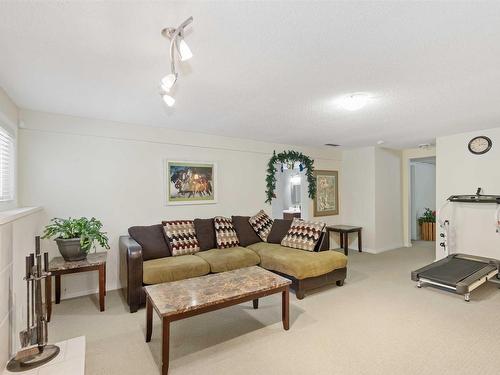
[371,197]
[460,172]
[388,210]
[80,167]
[423,192]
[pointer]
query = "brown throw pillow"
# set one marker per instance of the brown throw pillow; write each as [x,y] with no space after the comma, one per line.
[152,241]
[225,234]
[205,233]
[279,230]
[182,237]
[261,224]
[244,230]
[303,235]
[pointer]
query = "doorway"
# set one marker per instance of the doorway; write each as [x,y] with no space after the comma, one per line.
[422,199]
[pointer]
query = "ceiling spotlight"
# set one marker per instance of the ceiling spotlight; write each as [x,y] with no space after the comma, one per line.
[168,82]
[177,42]
[170,101]
[353,102]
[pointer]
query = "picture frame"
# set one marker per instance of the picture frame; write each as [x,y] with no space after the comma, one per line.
[190,182]
[326,201]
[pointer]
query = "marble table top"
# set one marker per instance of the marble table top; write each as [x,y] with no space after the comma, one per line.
[191,294]
[342,227]
[93,259]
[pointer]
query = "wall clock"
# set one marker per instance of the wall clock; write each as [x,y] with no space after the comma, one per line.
[480,145]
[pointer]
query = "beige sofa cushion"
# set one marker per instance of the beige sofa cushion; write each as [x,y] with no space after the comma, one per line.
[300,264]
[173,268]
[222,260]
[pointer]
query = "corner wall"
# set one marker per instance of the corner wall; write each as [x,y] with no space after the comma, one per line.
[81,167]
[460,172]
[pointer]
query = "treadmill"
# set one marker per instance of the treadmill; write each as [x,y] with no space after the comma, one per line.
[461,273]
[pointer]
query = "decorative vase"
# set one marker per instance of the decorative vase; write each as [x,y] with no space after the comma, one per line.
[70,249]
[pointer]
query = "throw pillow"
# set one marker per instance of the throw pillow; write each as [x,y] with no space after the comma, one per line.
[245,232]
[261,224]
[182,237]
[205,233]
[225,234]
[303,234]
[279,230]
[152,241]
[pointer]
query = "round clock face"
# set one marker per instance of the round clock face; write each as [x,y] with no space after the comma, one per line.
[480,145]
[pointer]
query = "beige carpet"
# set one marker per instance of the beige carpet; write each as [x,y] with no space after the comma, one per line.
[377,323]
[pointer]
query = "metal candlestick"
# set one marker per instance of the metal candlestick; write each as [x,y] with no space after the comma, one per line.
[34,350]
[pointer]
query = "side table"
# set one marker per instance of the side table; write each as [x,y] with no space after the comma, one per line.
[58,267]
[344,231]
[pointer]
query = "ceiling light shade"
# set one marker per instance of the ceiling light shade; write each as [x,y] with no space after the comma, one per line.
[170,101]
[354,102]
[168,82]
[184,51]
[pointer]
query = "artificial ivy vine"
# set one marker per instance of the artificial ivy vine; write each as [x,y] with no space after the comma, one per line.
[289,158]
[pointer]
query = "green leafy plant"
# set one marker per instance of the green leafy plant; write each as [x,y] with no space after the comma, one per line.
[429,216]
[87,230]
[289,158]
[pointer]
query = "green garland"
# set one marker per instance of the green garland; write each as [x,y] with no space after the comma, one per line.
[289,157]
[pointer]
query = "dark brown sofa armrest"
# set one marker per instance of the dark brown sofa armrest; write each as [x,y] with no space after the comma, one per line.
[323,242]
[131,271]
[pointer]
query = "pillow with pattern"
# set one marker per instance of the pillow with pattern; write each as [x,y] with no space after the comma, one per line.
[181,236]
[303,235]
[225,234]
[261,224]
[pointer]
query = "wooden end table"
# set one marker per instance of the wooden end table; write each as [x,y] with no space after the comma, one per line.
[185,298]
[343,231]
[58,267]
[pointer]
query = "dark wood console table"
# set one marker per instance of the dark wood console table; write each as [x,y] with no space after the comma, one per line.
[58,267]
[343,231]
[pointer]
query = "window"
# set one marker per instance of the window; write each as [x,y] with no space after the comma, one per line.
[6,166]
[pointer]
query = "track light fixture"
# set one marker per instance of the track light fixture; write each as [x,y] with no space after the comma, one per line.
[177,43]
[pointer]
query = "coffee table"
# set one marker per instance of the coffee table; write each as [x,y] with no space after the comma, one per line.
[185,298]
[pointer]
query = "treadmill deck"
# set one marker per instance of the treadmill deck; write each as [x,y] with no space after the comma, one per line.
[454,271]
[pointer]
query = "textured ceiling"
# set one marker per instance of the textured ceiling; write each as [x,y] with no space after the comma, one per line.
[262,70]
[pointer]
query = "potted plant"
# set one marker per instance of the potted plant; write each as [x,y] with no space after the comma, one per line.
[428,225]
[75,237]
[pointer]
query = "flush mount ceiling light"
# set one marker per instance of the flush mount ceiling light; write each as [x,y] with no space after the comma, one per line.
[354,102]
[177,44]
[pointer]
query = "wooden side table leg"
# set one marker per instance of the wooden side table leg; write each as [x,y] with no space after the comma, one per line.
[102,286]
[285,308]
[341,235]
[149,319]
[346,244]
[165,346]
[360,248]
[48,297]
[58,289]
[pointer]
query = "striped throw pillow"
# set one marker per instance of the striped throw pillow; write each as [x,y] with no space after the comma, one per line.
[261,224]
[225,234]
[303,235]
[181,236]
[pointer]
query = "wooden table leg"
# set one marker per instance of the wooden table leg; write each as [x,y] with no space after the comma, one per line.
[346,244]
[102,285]
[165,346]
[359,241]
[48,297]
[285,302]
[58,289]
[256,303]
[341,240]
[149,319]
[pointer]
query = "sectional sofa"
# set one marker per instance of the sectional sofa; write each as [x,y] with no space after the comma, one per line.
[145,258]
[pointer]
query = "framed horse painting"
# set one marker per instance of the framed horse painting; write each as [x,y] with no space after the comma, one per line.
[190,182]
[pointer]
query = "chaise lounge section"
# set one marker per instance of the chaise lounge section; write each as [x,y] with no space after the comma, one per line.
[145,259]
